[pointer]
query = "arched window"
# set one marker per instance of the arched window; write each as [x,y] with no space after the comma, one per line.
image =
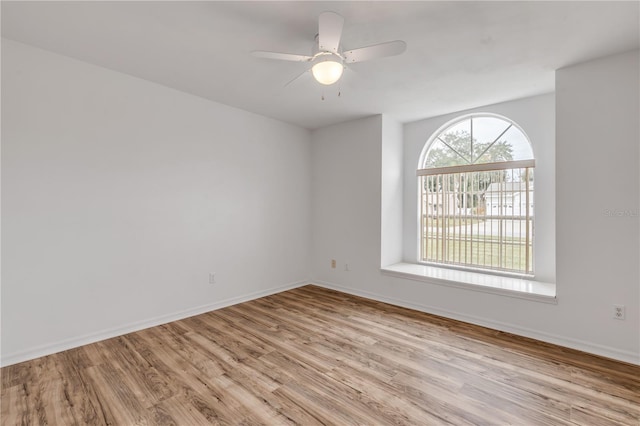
[477,196]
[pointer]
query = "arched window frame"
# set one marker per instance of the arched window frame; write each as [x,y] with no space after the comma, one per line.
[450,218]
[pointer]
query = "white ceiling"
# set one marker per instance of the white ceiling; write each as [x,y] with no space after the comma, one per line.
[460,54]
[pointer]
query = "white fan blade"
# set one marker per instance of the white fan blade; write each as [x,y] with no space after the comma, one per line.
[281,56]
[298,76]
[329,31]
[390,48]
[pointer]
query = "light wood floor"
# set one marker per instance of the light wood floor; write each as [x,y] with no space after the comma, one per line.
[314,356]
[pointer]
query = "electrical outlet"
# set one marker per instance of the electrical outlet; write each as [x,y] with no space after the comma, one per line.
[346,267]
[619,312]
[333,263]
[212,278]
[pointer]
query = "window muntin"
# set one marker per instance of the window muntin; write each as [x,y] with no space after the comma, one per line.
[477,197]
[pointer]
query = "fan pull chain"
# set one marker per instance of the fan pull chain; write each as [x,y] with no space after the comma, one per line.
[322,94]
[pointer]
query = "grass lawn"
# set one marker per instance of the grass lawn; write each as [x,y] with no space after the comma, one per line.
[485,252]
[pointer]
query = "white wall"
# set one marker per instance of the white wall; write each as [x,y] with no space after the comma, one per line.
[119,196]
[345,207]
[598,198]
[392,191]
[592,274]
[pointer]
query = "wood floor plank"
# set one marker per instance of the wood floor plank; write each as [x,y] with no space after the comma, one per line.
[149,385]
[58,407]
[14,406]
[120,399]
[202,392]
[430,394]
[313,356]
[168,410]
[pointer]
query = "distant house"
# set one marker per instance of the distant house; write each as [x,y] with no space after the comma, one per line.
[508,199]
[439,204]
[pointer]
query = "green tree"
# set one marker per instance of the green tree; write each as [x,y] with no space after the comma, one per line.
[458,148]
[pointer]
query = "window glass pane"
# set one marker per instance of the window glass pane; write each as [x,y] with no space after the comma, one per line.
[477,140]
[520,147]
[441,155]
[498,151]
[487,129]
[457,140]
[488,145]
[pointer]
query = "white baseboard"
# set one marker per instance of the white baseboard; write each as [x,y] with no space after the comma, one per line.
[36,352]
[592,348]
[49,349]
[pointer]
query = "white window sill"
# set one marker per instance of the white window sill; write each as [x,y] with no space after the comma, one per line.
[504,286]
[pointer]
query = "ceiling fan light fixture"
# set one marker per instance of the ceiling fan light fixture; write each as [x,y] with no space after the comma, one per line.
[328,59]
[327,72]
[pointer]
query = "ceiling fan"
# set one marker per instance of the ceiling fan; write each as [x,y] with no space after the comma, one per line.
[328,59]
